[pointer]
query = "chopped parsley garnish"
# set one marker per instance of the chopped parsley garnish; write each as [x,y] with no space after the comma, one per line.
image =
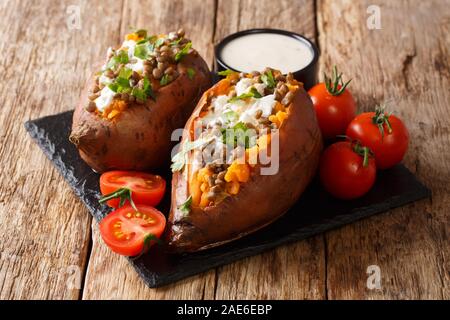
[225,73]
[148,241]
[139,94]
[183,52]
[268,80]
[121,57]
[144,93]
[125,73]
[231,116]
[176,42]
[238,136]
[141,51]
[148,89]
[185,207]
[253,93]
[164,80]
[191,73]
[120,85]
[141,33]
[159,42]
[178,160]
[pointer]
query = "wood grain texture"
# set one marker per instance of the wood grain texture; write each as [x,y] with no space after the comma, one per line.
[407,64]
[44,229]
[110,276]
[296,271]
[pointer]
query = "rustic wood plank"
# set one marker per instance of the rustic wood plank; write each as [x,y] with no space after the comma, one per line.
[407,62]
[108,275]
[44,229]
[295,271]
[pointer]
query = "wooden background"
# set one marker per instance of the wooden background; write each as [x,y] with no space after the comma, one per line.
[50,247]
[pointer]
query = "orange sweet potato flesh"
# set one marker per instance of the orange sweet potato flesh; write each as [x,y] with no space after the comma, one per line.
[260,200]
[139,138]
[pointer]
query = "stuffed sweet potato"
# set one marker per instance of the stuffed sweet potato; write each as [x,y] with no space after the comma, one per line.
[248,151]
[147,87]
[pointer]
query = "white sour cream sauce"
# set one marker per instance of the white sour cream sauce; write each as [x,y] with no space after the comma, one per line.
[240,111]
[106,94]
[260,50]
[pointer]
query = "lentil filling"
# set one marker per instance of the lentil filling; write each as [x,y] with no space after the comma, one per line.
[236,124]
[136,70]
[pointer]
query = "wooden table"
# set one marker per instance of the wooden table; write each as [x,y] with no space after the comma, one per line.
[50,248]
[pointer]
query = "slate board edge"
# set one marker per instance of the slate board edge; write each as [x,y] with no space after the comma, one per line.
[312,230]
[38,137]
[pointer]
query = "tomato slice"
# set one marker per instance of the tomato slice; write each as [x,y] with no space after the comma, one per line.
[145,188]
[129,232]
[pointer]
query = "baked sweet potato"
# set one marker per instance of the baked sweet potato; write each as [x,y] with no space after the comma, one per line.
[219,199]
[147,88]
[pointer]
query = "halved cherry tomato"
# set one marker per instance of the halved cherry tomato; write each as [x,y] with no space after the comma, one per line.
[334,105]
[384,134]
[145,188]
[347,170]
[129,232]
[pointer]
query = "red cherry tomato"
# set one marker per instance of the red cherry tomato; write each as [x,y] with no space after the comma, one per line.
[334,105]
[347,170]
[145,188]
[129,232]
[385,135]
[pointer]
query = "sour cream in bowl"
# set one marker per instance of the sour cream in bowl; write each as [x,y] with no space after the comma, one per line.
[256,49]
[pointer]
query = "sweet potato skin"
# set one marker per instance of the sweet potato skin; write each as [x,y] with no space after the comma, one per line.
[262,199]
[140,137]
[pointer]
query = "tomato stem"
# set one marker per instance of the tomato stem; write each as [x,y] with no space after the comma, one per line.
[362,151]
[380,119]
[335,85]
[123,194]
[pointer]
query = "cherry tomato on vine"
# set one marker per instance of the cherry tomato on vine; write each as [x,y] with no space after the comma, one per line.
[130,232]
[347,170]
[384,134]
[120,187]
[334,105]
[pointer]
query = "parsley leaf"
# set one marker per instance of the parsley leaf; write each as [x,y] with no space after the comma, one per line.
[241,97]
[139,94]
[191,73]
[148,240]
[141,33]
[183,52]
[268,80]
[125,73]
[123,83]
[225,73]
[185,207]
[174,43]
[164,80]
[178,160]
[231,116]
[148,89]
[255,93]
[113,86]
[238,136]
[121,57]
[141,51]
[159,42]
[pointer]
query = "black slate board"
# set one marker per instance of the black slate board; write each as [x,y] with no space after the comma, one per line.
[315,212]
